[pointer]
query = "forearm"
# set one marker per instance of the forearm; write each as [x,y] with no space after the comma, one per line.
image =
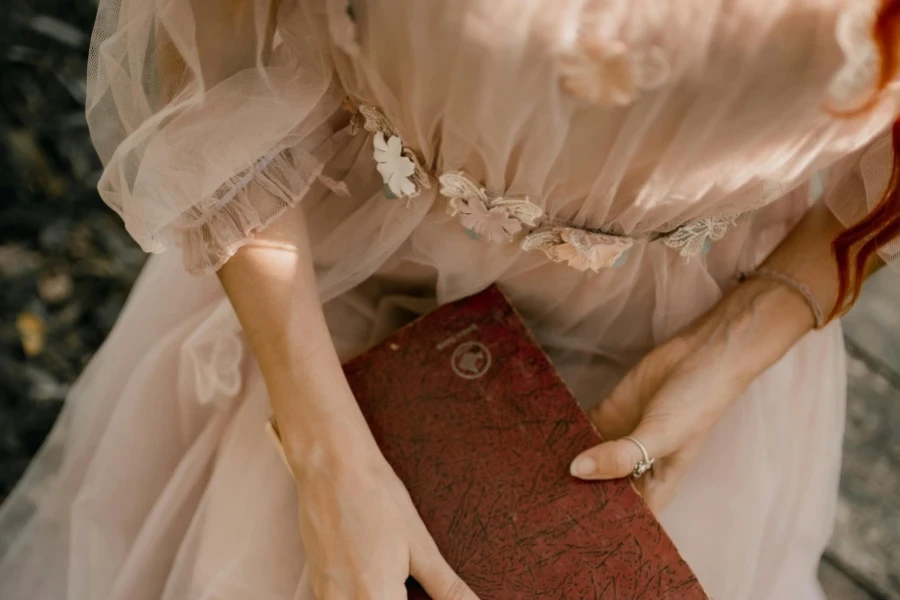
[272,286]
[761,319]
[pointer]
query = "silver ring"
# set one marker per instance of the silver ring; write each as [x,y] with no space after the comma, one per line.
[643,465]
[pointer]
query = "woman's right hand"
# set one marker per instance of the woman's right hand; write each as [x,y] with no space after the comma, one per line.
[362,534]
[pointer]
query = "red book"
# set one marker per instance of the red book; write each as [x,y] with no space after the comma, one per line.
[477,423]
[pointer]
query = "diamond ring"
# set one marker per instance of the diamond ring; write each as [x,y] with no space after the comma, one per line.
[643,465]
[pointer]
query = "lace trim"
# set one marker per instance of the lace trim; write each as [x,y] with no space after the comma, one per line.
[697,237]
[580,249]
[491,217]
[251,202]
[501,217]
[399,165]
[231,188]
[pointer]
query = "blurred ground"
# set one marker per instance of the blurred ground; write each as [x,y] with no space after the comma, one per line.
[866,542]
[66,265]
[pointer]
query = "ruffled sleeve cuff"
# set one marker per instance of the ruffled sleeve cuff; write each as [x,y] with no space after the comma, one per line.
[248,203]
[208,134]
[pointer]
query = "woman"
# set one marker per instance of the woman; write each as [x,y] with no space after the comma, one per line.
[613,166]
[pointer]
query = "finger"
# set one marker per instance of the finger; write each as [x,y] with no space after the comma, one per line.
[618,458]
[609,460]
[437,577]
[615,417]
[660,490]
[618,414]
[658,494]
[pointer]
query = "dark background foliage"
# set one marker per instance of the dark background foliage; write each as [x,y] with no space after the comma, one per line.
[66,263]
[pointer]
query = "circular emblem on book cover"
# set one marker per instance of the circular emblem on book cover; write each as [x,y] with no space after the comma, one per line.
[471,360]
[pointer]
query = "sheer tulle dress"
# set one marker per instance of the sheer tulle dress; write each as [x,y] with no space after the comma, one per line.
[611,164]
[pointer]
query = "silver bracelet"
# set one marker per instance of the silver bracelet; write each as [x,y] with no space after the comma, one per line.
[795,285]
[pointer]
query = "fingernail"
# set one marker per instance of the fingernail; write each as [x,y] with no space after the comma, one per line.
[583,466]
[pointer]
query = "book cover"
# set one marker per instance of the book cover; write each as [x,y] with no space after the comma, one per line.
[477,423]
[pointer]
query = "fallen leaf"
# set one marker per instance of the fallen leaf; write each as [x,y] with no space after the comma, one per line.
[32,333]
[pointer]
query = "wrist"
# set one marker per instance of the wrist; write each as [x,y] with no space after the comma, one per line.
[751,328]
[328,442]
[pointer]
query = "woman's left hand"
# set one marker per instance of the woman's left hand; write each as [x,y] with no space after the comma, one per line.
[674,397]
[670,402]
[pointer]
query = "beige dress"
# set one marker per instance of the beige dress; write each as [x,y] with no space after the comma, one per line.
[611,164]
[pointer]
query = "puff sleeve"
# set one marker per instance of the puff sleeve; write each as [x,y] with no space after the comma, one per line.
[211,117]
[857,183]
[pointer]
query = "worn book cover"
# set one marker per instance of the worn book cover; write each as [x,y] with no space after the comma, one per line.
[473,417]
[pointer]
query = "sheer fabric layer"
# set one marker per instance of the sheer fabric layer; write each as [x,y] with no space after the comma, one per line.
[213,119]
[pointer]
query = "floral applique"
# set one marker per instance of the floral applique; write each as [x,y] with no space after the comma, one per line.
[580,249]
[501,218]
[492,218]
[611,74]
[399,165]
[371,119]
[857,79]
[696,237]
[395,169]
[215,355]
